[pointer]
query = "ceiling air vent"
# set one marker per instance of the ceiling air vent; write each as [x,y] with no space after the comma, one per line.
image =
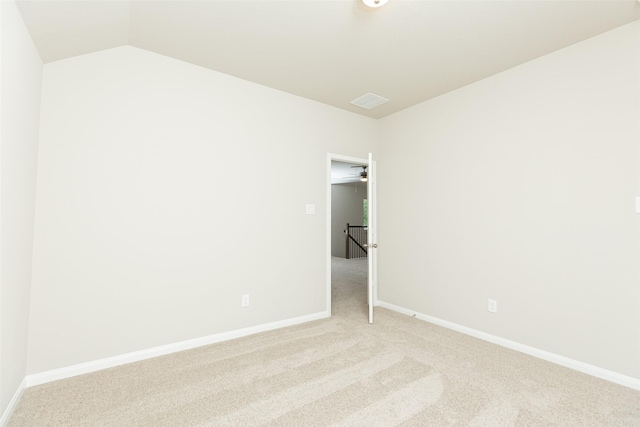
[369,101]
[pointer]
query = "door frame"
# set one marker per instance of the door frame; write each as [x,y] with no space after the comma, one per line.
[356,161]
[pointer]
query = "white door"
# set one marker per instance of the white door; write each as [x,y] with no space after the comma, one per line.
[371,235]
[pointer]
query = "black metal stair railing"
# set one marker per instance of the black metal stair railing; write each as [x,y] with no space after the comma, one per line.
[356,241]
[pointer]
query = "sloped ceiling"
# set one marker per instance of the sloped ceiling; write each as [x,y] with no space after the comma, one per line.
[331,51]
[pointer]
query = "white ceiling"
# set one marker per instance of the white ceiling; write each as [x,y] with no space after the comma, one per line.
[343,173]
[332,51]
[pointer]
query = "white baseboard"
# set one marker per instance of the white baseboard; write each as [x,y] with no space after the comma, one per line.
[13,403]
[576,365]
[110,362]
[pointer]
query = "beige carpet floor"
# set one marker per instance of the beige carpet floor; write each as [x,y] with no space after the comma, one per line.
[336,372]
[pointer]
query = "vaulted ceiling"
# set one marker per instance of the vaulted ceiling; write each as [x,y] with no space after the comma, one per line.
[331,51]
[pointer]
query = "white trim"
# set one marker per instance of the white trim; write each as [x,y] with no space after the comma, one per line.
[576,365]
[345,159]
[110,362]
[6,416]
[328,236]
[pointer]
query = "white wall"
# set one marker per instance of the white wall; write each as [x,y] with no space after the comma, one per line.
[165,191]
[21,82]
[525,195]
[346,207]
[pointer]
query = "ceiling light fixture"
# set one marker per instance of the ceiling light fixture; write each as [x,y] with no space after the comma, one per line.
[375,3]
[363,174]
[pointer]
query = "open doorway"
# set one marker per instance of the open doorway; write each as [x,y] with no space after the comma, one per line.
[347,237]
[349,206]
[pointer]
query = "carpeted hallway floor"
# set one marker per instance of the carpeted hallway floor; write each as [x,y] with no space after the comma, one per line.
[339,371]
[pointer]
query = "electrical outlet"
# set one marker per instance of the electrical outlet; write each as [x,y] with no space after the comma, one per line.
[493,306]
[245,300]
